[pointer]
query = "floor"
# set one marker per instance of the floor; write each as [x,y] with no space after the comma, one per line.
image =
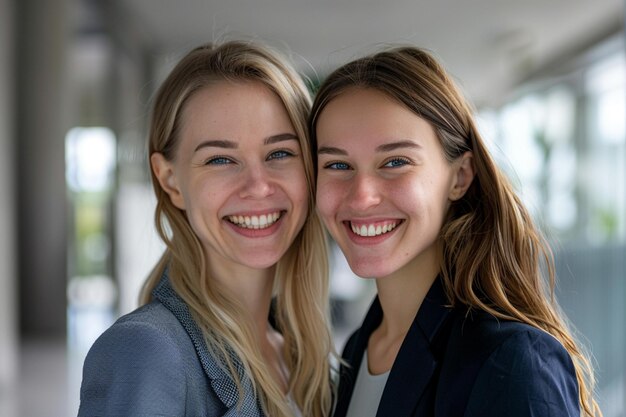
[44,387]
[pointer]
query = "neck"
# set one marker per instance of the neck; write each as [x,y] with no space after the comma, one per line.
[400,300]
[401,294]
[251,287]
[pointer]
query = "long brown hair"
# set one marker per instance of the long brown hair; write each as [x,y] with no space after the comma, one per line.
[301,274]
[494,258]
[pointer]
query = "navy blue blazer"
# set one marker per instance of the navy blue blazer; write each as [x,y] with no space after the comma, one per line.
[450,365]
[155,362]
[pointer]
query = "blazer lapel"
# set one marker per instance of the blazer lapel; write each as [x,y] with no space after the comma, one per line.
[353,354]
[221,382]
[417,361]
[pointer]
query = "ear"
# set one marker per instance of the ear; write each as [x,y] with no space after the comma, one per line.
[463,176]
[164,172]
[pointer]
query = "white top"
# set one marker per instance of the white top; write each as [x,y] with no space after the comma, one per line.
[368,391]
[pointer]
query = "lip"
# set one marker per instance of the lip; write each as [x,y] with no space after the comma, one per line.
[371,240]
[252,232]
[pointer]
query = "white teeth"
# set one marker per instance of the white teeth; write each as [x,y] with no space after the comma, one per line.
[372,230]
[255,222]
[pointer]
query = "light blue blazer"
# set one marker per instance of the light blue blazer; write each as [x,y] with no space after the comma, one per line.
[154,362]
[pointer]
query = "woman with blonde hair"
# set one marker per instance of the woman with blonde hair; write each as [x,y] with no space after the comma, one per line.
[465,322]
[233,176]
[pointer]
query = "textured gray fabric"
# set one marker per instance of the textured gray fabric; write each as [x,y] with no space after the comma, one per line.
[155,362]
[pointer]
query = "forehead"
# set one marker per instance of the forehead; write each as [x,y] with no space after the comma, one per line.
[234,108]
[368,118]
[225,96]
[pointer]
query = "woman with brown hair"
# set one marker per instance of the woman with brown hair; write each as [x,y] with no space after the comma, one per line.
[233,177]
[465,322]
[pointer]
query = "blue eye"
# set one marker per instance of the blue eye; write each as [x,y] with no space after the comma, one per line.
[396,162]
[218,160]
[281,154]
[341,166]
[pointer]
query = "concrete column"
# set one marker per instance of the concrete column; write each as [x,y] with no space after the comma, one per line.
[8,313]
[41,124]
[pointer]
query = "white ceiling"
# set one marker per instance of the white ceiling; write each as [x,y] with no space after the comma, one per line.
[486,44]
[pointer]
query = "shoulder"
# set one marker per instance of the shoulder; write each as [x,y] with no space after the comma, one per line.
[144,364]
[503,340]
[146,334]
[526,352]
[526,371]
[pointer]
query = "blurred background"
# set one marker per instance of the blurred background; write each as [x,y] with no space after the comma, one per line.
[547,79]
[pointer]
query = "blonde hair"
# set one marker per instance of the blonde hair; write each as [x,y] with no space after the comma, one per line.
[301,277]
[494,258]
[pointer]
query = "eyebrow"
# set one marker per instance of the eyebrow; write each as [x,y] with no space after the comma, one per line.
[279,138]
[229,144]
[387,147]
[226,144]
[329,150]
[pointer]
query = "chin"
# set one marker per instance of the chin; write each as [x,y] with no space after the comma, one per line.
[260,265]
[261,262]
[369,269]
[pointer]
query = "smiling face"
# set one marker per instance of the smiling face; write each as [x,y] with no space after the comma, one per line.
[238,174]
[384,185]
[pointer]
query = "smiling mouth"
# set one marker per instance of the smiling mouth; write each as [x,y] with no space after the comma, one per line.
[373,229]
[255,222]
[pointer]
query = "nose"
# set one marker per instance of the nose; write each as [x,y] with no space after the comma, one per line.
[364,193]
[257,183]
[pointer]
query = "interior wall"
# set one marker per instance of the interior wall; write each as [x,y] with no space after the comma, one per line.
[8,316]
[41,124]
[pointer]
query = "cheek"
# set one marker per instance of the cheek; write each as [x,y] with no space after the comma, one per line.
[321,203]
[327,199]
[433,198]
[407,192]
[209,192]
[302,199]
[299,193]
[205,197]
[425,196]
